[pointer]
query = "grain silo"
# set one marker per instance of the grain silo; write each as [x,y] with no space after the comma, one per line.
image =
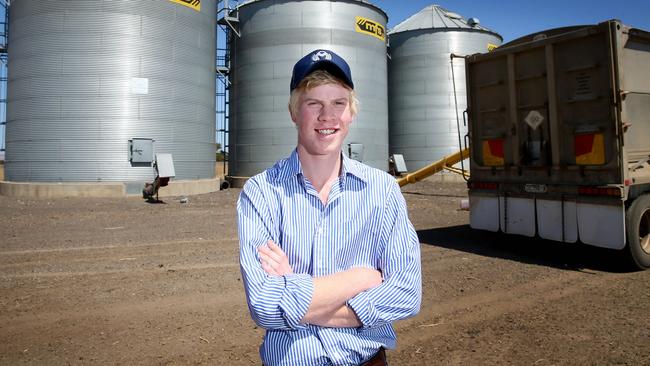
[422,109]
[273,35]
[96,88]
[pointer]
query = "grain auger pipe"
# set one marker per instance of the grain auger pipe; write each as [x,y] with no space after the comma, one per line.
[446,162]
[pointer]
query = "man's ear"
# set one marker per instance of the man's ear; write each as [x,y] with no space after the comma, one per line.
[293,118]
[354,118]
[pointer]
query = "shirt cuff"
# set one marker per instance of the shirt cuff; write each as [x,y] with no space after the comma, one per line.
[365,309]
[299,290]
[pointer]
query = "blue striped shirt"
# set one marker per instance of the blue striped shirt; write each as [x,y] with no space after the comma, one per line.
[363,224]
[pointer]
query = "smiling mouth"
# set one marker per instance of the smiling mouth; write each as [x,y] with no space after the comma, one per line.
[326,132]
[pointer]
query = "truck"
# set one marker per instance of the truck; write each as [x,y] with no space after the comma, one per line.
[559,137]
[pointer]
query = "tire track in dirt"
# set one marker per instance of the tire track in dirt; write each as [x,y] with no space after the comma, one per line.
[127,308]
[113,246]
[197,267]
[81,261]
[449,317]
[172,324]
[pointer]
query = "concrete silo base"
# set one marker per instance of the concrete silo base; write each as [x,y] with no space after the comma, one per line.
[116,189]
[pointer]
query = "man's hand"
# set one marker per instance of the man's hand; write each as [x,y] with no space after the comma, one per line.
[328,305]
[274,260]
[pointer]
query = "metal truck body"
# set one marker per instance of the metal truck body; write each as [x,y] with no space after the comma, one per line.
[559,133]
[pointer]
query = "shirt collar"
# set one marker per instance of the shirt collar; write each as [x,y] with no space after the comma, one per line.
[292,167]
[353,168]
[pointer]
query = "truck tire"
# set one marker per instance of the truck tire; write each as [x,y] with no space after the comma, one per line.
[637,220]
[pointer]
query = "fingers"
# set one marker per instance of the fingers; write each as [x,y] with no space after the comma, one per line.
[275,248]
[273,260]
[268,260]
[268,267]
[264,258]
[267,255]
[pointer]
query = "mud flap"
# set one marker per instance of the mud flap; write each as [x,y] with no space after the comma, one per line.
[484,212]
[550,217]
[602,225]
[517,215]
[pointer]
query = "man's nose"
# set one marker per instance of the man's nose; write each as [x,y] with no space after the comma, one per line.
[328,112]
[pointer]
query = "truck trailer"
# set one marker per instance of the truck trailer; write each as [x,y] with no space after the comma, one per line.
[559,136]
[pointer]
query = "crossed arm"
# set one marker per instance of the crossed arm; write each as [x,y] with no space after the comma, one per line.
[328,304]
[281,299]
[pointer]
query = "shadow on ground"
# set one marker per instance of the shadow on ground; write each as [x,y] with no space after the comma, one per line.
[578,257]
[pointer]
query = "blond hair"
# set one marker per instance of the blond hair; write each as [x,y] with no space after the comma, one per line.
[318,78]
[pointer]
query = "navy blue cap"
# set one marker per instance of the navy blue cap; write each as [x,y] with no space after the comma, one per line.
[321,60]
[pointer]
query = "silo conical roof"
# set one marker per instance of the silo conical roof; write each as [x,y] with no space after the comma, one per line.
[437,17]
[425,103]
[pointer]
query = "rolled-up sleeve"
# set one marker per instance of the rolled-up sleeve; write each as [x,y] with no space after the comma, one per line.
[400,295]
[275,302]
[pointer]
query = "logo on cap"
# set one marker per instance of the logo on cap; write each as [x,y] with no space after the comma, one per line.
[321,55]
[321,60]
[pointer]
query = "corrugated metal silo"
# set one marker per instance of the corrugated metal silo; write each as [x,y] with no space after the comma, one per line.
[87,76]
[274,35]
[422,120]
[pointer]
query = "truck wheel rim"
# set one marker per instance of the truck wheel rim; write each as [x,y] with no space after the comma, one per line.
[644,231]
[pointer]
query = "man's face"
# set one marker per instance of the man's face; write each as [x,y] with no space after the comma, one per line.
[323,118]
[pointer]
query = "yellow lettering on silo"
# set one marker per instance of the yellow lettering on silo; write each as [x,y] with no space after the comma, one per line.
[194,4]
[367,26]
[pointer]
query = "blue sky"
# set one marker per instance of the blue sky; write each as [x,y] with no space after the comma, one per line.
[515,18]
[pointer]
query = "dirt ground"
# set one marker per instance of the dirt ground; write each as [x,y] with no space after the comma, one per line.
[124,282]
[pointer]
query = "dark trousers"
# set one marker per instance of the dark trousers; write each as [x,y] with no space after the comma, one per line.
[379,359]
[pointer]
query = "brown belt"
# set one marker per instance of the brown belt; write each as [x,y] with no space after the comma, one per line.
[379,359]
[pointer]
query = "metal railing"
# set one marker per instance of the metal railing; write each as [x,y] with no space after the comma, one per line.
[4,46]
[227,28]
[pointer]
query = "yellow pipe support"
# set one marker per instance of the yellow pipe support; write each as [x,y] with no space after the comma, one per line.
[456,170]
[433,168]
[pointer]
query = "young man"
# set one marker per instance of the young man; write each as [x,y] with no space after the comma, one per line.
[328,255]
